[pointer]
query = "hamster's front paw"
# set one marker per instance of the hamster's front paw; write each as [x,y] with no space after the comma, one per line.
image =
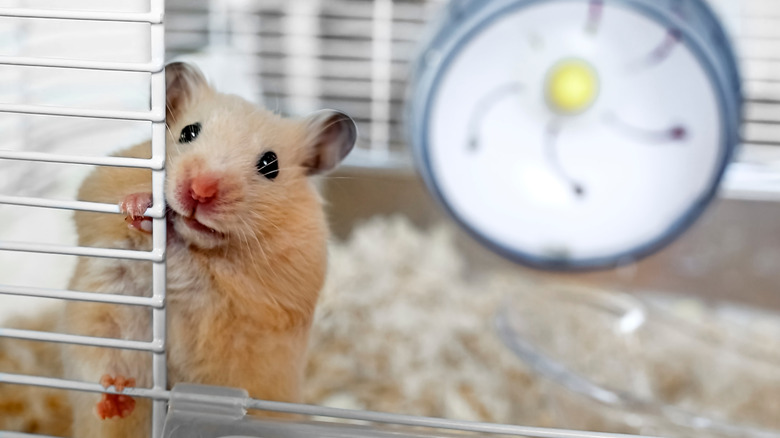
[115,405]
[135,206]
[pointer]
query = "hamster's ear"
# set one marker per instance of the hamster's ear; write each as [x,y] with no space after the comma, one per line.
[182,81]
[331,135]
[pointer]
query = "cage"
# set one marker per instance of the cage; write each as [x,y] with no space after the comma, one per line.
[683,343]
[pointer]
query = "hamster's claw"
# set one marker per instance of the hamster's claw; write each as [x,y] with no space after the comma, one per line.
[115,405]
[119,382]
[135,205]
[142,224]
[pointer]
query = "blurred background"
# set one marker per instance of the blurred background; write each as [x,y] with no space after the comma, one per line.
[683,343]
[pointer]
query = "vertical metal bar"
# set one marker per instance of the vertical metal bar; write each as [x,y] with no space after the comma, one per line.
[159,363]
[159,366]
[218,28]
[300,39]
[381,66]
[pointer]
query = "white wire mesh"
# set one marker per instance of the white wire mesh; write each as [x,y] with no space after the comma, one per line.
[155,114]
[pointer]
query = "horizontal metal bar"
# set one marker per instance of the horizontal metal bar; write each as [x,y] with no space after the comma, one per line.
[426,422]
[10,434]
[374,417]
[149,116]
[378,161]
[64,205]
[370,416]
[94,297]
[62,338]
[762,121]
[769,101]
[745,181]
[141,67]
[749,142]
[126,17]
[72,385]
[141,163]
[748,80]
[95,207]
[153,256]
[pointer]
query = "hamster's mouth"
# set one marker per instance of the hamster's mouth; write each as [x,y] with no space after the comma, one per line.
[191,224]
[197,226]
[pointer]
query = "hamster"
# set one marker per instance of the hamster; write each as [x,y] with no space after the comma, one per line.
[246,254]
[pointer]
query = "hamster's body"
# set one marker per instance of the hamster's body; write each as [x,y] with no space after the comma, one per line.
[246,255]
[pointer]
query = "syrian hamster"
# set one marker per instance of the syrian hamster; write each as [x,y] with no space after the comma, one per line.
[246,254]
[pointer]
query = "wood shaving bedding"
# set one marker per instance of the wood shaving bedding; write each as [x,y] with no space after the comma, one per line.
[401,329]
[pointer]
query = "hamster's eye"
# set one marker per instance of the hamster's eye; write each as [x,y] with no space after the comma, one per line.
[268,165]
[189,133]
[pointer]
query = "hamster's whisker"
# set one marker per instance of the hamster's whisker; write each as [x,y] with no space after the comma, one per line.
[287,167]
[168,128]
[264,220]
[170,110]
[243,233]
[260,245]
[225,249]
[245,241]
[256,267]
[274,274]
[343,177]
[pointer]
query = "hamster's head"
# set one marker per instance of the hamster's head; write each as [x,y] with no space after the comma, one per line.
[236,171]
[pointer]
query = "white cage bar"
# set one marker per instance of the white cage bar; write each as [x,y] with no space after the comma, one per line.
[159,227]
[156,115]
[154,164]
[154,16]
[94,297]
[153,256]
[155,212]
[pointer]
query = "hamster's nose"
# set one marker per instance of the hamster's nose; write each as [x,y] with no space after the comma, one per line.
[204,188]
